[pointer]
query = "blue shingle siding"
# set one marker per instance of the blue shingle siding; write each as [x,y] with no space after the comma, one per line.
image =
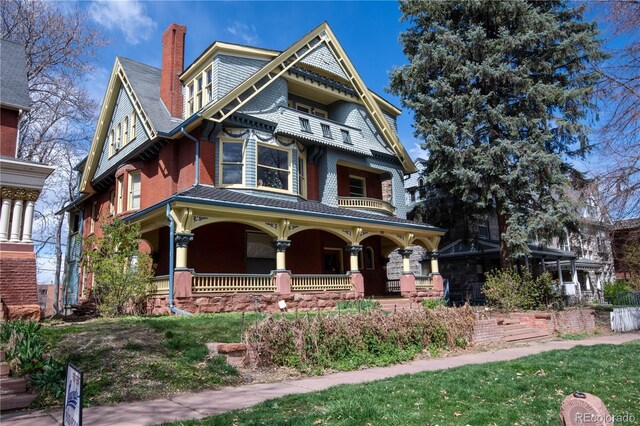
[328,178]
[250,162]
[232,70]
[322,58]
[122,109]
[355,115]
[390,119]
[265,105]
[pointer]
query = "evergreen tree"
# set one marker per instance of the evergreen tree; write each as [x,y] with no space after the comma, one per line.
[500,92]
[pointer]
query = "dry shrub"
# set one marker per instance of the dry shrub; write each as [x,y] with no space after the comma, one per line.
[314,342]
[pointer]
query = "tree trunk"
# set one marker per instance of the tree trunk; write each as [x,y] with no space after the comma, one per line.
[505,260]
[56,278]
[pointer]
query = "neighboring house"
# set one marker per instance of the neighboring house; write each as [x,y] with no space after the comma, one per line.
[625,231]
[470,249]
[254,172]
[20,185]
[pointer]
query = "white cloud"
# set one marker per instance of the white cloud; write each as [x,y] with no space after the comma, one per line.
[246,33]
[127,16]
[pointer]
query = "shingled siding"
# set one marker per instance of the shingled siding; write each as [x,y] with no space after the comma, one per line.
[355,115]
[328,177]
[230,71]
[322,58]
[123,108]
[265,105]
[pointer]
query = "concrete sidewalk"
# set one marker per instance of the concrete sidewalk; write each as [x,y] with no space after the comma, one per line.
[203,404]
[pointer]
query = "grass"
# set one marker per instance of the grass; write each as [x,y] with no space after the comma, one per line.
[527,391]
[138,358]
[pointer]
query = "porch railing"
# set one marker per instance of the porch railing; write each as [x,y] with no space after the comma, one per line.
[313,282]
[424,282]
[161,284]
[392,286]
[230,283]
[366,203]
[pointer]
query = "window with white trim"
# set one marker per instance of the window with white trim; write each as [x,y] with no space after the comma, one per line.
[302,175]
[120,192]
[126,130]
[231,162]
[357,186]
[133,200]
[274,167]
[92,219]
[112,203]
[132,136]
[119,137]
[190,94]
[112,148]
[208,85]
[319,112]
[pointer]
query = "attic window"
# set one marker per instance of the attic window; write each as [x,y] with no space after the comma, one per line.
[326,131]
[346,138]
[304,125]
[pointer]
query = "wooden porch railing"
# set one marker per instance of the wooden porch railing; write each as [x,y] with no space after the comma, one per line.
[424,282]
[161,284]
[392,286]
[312,282]
[366,203]
[231,283]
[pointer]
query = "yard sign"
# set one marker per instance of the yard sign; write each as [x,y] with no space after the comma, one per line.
[72,414]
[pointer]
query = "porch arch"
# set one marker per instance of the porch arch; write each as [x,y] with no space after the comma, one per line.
[338,233]
[262,226]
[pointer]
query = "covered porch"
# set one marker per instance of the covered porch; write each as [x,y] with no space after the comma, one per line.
[238,256]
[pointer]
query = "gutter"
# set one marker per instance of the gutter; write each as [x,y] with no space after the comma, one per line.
[172,233]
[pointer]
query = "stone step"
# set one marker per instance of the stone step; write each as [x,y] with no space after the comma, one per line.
[521,332]
[13,385]
[4,369]
[526,337]
[16,401]
[514,327]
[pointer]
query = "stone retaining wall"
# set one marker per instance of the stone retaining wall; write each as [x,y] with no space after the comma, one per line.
[243,302]
[490,325]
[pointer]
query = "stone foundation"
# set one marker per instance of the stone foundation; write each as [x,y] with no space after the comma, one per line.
[250,302]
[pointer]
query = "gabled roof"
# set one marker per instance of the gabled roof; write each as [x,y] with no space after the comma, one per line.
[247,90]
[14,86]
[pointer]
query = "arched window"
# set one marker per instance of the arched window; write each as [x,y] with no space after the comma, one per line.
[420,182]
[368,258]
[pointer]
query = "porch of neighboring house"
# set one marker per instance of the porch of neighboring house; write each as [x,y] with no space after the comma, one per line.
[240,258]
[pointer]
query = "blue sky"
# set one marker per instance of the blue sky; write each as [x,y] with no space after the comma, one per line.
[368,31]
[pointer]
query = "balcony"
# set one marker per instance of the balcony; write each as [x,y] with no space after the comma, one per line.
[364,203]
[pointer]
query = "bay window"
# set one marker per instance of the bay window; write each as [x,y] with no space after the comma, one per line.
[273,167]
[231,162]
[134,191]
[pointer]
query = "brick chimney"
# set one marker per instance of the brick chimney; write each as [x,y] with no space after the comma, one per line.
[172,67]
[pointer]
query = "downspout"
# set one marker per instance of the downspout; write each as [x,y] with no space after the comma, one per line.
[197,142]
[172,234]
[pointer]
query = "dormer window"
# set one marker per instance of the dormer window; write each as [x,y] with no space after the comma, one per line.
[357,186]
[305,126]
[326,131]
[208,88]
[346,138]
[198,103]
[190,100]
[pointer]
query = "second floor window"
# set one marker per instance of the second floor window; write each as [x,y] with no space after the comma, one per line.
[120,191]
[112,203]
[231,164]
[134,191]
[357,186]
[305,126]
[273,167]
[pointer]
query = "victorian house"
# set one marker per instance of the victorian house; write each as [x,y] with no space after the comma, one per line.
[257,177]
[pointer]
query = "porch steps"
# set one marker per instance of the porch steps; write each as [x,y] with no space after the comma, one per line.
[521,332]
[13,391]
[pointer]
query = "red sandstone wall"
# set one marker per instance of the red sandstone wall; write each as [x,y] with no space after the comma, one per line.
[18,285]
[8,132]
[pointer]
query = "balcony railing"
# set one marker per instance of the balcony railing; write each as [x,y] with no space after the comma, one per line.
[305,282]
[424,282]
[161,284]
[366,204]
[231,283]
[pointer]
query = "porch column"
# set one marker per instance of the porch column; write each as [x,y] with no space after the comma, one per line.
[558,267]
[407,279]
[182,240]
[28,222]
[4,219]
[281,248]
[16,222]
[435,269]
[574,277]
[354,252]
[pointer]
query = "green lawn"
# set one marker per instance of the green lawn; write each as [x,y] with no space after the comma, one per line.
[137,358]
[527,391]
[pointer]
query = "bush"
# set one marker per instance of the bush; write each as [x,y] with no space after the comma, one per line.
[611,290]
[313,343]
[506,289]
[358,305]
[433,303]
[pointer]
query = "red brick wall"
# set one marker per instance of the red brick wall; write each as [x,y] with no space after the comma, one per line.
[313,187]
[8,132]
[374,186]
[18,285]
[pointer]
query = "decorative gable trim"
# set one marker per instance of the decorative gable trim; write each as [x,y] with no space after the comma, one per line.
[117,80]
[247,90]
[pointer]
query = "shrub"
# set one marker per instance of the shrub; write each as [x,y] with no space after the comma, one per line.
[312,343]
[433,303]
[508,290]
[612,289]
